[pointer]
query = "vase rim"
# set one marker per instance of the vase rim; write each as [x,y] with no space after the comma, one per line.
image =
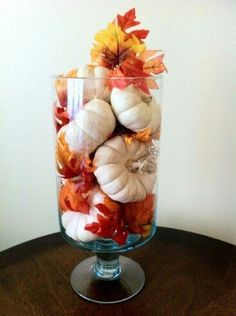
[155,77]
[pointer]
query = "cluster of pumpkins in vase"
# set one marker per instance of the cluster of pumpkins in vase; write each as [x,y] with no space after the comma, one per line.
[106,153]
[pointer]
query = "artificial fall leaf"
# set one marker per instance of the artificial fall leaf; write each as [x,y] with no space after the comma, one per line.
[143,136]
[112,46]
[120,235]
[148,54]
[86,166]
[139,214]
[128,20]
[153,64]
[72,164]
[68,162]
[61,86]
[71,198]
[111,214]
[110,224]
[61,116]
[151,83]
[111,205]
[132,67]
[130,71]
[140,34]
[146,230]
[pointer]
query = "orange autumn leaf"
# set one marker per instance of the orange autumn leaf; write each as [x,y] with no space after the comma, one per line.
[68,162]
[70,198]
[153,64]
[151,83]
[146,230]
[143,136]
[148,54]
[111,205]
[123,52]
[139,215]
[86,164]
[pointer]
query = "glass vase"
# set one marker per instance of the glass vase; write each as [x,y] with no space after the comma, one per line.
[107,147]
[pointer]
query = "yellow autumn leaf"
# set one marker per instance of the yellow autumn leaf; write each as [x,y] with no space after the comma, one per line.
[112,46]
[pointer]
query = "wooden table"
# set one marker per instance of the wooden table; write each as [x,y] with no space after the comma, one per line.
[186,274]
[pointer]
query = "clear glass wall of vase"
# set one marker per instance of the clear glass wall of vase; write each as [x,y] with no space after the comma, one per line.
[107,151]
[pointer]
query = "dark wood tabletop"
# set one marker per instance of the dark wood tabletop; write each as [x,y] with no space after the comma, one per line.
[186,274]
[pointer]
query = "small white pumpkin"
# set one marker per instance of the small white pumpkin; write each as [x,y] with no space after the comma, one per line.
[125,172]
[90,128]
[75,222]
[135,110]
[94,88]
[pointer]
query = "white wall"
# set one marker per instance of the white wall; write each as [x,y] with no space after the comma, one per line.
[198,170]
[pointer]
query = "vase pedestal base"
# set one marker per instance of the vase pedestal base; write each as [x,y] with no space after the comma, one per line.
[86,284]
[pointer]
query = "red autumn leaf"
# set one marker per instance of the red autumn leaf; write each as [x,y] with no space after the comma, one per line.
[140,34]
[110,224]
[103,209]
[86,175]
[61,117]
[132,67]
[72,195]
[120,236]
[104,228]
[127,20]
[108,229]
[93,227]
[110,209]
[130,71]
[119,81]
[107,226]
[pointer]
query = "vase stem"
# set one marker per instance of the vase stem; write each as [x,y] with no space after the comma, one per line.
[107,266]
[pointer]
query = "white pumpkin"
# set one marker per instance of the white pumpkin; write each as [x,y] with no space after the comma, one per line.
[135,110]
[90,128]
[75,222]
[94,88]
[125,172]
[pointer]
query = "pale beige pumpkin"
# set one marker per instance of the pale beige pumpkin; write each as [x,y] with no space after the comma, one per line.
[74,222]
[90,128]
[125,172]
[135,110]
[94,88]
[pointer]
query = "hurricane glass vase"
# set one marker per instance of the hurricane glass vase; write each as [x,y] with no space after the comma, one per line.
[107,143]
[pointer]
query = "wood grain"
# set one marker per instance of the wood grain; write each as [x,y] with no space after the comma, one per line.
[186,274]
